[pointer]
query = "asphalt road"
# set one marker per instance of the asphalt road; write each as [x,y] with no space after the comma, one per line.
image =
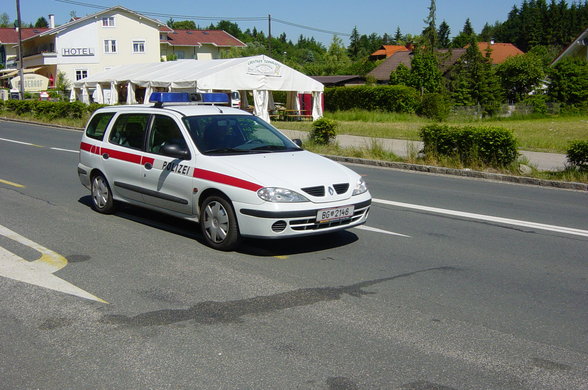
[452,284]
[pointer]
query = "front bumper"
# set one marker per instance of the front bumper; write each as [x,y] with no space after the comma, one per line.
[296,221]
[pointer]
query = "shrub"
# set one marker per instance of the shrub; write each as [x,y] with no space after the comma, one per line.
[491,146]
[577,154]
[323,131]
[391,98]
[538,103]
[434,106]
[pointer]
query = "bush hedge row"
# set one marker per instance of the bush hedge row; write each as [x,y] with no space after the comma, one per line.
[577,154]
[47,109]
[491,146]
[393,98]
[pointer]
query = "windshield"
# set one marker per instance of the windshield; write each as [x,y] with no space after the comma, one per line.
[236,134]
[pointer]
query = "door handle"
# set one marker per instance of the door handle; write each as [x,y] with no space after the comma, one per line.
[148,166]
[106,156]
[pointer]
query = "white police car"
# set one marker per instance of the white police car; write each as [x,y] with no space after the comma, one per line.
[227,169]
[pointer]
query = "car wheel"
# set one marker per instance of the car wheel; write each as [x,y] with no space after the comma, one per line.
[101,195]
[218,223]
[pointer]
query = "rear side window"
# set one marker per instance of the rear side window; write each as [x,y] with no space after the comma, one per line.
[129,130]
[98,125]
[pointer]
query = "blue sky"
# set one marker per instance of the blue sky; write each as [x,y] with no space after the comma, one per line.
[370,16]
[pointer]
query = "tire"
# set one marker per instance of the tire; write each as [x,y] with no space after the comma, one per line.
[218,223]
[101,195]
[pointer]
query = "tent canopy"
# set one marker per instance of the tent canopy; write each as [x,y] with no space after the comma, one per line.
[260,74]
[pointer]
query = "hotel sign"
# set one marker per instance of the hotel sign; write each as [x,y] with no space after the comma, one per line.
[77,51]
[32,82]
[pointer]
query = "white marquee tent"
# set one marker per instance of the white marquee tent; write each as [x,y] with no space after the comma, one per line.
[259,74]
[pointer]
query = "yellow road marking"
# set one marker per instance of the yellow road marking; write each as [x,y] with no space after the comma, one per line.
[11,183]
[38,272]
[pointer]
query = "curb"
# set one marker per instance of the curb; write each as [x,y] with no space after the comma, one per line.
[468,173]
[415,167]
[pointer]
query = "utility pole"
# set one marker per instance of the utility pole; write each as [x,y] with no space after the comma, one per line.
[20,72]
[269,22]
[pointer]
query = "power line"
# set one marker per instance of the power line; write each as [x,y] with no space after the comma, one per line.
[310,28]
[219,18]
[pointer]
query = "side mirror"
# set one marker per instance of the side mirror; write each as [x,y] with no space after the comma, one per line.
[298,142]
[176,151]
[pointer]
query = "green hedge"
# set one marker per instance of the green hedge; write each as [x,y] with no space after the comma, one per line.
[491,146]
[323,131]
[392,98]
[47,109]
[577,154]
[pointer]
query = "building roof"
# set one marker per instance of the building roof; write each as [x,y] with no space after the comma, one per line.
[578,46]
[499,52]
[332,81]
[118,8]
[9,35]
[385,51]
[382,72]
[446,59]
[217,38]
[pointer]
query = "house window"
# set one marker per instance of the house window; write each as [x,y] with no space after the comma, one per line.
[81,74]
[108,21]
[110,46]
[179,55]
[138,46]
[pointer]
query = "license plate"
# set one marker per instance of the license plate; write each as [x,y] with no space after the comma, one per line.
[334,213]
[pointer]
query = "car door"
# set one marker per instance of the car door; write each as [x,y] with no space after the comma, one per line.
[168,167]
[122,155]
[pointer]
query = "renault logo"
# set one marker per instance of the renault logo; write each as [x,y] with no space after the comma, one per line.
[331,191]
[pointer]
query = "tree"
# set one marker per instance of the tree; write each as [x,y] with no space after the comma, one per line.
[443,35]
[424,74]
[430,32]
[465,36]
[568,82]
[4,20]
[398,38]
[41,23]
[520,75]
[182,24]
[354,44]
[472,81]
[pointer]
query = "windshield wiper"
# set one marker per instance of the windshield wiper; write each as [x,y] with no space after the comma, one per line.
[224,150]
[273,148]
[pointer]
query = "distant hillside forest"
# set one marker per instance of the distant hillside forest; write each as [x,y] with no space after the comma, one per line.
[550,24]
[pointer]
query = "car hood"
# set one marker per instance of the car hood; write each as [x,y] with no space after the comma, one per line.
[293,170]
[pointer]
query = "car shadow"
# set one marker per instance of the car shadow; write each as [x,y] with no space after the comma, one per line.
[249,246]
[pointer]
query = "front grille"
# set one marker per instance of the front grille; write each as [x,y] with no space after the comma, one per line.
[279,226]
[341,188]
[315,191]
[312,224]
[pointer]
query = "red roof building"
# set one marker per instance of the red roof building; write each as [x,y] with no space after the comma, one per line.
[196,44]
[386,51]
[499,52]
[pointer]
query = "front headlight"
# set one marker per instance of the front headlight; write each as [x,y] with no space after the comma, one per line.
[360,187]
[280,195]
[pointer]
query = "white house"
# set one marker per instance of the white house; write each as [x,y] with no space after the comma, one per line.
[115,36]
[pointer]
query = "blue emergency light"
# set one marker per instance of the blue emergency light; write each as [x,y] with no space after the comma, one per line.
[159,98]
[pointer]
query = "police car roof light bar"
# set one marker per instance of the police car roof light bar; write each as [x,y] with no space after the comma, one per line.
[159,98]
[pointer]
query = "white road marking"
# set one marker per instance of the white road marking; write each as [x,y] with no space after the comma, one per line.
[489,218]
[38,146]
[373,229]
[38,272]
[65,150]
[19,142]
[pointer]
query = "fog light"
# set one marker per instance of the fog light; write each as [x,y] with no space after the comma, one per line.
[279,226]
